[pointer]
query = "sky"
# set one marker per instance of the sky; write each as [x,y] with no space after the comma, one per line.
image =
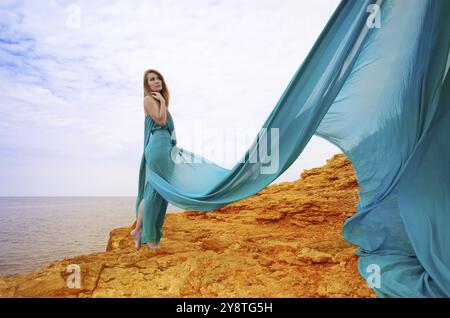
[71,111]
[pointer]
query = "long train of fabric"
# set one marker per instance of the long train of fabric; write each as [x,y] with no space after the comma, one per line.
[376,85]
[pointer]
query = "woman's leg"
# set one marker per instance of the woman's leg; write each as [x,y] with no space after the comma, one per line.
[138,224]
[153,205]
[158,160]
[139,219]
[137,231]
[161,218]
[168,167]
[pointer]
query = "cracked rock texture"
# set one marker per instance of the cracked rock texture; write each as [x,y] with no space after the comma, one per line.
[284,241]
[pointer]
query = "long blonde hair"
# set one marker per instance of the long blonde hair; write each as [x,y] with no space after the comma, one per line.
[164,92]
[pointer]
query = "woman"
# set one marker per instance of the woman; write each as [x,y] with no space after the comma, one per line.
[158,143]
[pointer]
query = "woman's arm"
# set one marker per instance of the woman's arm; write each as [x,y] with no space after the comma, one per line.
[163,110]
[157,111]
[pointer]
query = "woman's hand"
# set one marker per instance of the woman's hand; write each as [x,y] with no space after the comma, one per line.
[158,96]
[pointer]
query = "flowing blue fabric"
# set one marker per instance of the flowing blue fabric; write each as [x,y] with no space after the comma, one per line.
[381,93]
[158,145]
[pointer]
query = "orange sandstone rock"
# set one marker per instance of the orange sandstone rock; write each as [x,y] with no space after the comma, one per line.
[284,241]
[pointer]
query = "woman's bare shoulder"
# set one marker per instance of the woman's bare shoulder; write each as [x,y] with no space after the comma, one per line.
[150,99]
[149,102]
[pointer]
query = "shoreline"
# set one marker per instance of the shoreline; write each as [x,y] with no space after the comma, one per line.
[284,241]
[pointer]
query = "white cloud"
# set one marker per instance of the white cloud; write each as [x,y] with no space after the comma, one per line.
[76,92]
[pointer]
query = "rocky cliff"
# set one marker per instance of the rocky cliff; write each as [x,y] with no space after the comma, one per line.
[284,241]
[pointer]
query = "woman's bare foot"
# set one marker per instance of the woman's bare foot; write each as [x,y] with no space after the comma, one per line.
[153,245]
[137,238]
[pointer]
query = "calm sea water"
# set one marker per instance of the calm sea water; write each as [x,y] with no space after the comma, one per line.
[37,230]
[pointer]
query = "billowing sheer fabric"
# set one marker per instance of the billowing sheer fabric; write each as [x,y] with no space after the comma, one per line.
[376,85]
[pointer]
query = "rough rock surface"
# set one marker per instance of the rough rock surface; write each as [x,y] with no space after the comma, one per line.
[284,241]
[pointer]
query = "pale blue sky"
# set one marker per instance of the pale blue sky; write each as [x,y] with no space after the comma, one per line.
[71,115]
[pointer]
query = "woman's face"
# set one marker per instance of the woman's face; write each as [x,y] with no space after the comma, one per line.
[154,82]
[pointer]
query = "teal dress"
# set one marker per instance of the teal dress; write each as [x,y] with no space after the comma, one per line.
[158,143]
[382,95]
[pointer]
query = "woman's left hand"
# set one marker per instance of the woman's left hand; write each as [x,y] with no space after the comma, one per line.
[158,96]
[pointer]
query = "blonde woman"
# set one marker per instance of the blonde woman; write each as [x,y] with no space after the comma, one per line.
[159,130]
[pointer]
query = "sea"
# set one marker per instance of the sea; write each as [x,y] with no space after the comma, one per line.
[37,230]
